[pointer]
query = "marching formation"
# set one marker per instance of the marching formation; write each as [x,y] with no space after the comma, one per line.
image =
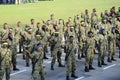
[83,36]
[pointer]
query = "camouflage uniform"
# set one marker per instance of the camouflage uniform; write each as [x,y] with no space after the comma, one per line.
[57,52]
[28,44]
[102,49]
[38,68]
[90,52]
[94,18]
[5,63]
[111,46]
[13,47]
[70,60]
[82,42]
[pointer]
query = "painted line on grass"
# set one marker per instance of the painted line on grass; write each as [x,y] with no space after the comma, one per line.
[18,72]
[109,66]
[82,77]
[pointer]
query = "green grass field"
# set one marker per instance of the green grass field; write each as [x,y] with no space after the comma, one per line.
[61,8]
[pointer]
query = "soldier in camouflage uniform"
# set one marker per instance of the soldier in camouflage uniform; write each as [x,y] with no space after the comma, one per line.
[28,43]
[13,48]
[45,35]
[112,45]
[82,41]
[90,52]
[33,25]
[86,15]
[38,68]
[4,32]
[5,61]
[52,20]
[102,47]
[57,52]
[118,12]
[94,17]
[70,59]
[118,33]
[18,30]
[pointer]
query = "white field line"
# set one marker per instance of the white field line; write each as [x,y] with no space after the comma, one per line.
[109,66]
[18,72]
[80,78]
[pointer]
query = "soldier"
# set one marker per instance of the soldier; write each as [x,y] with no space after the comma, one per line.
[102,48]
[90,52]
[4,31]
[50,27]
[33,25]
[105,16]
[86,15]
[5,61]
[45,35]
[118,12]
[76,21]
[23,39]
[18,31]
[71,32]
[38,68]
[82,41]
[70,59]
[94,17]
[28,43]
[112,45]
[52,20]
[57,52]
[13,48]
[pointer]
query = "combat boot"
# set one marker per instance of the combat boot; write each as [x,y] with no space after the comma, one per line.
[73,75]
[15,69]
[113,59]
[86,69]
[91,68]
[52,68]
[46,57]
[103,63]
[61,65]
[67,78]
[109,60]
[27,65]
[82,56]
[99,64]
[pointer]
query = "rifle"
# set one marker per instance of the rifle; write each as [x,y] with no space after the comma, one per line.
[68,53]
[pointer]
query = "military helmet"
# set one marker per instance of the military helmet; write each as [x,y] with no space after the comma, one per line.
[113,29]
[26,27]
[102,31]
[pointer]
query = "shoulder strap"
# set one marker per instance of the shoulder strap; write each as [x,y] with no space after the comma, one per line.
[3,57]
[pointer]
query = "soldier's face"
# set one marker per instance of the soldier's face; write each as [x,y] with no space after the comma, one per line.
[38,25]
[90,35]
[71,29]
[10,31]
[30,32]
[52,17]
[39,49]
[71,39]
[33,21]
[6,26]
